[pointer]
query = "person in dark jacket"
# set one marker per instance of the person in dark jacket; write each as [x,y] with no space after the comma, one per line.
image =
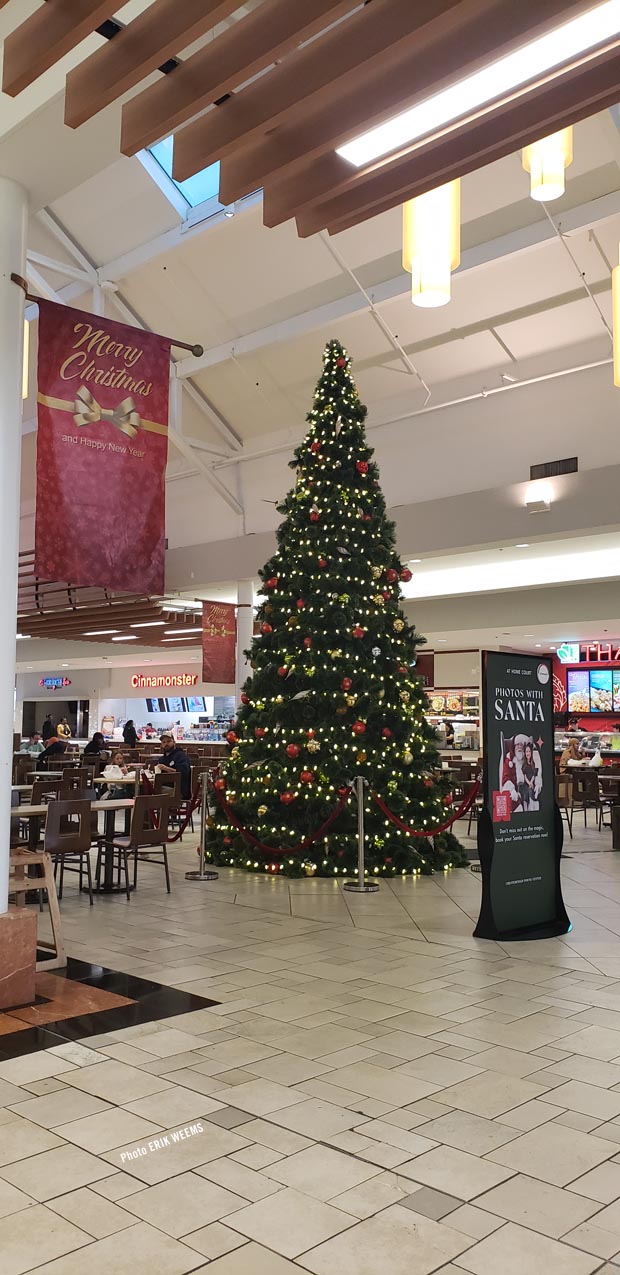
[175,759]
[48,729]
[95,747]
[130,734]
[55,748]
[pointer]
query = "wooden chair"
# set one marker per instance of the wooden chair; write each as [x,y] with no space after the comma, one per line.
[22,765]
[21,884]
[564,799]
[586,794]
[68,838]
[74,779]
[43,788]
[148,834]
[93,763]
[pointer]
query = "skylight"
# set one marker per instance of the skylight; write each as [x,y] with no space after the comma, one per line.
[195,190]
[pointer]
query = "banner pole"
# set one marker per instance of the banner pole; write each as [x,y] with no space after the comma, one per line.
[361,886]
[202,874]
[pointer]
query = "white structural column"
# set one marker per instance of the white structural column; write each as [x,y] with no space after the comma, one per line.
[245,624]
[13,214]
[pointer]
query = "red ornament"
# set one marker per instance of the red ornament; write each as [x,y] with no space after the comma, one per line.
[406,574]
[386,732]
[346,683]
[448,799]
[315,446]
[306,777]
[428,782]
[287,797]
[292,750]
[260,732]
[322,562]
[388,860]
[282,671]
[341,362]
[310,734]
[359,728]
[307,643]
[343,792]
[271,583]
[358,631]
[315,515]
[245,699]
[220,784]
[227,841]
[402,668]
[386,595]
[231,737]
[266,628]
[361,467]
[300,604]
[391,575]
[367,518]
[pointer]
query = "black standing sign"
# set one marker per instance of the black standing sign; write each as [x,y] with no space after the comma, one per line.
[520,828]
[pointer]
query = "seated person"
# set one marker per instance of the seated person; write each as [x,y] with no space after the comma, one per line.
[571,755]
[55,748]
[33,744]
[95,747]
[175,759]
[116,790]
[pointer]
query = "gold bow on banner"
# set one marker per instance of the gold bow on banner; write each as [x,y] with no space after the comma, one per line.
[87,411]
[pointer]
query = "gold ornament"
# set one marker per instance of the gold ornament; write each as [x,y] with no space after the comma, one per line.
[378,599]
[361,757]
[234,754]
[313,746]
[292,621]
[376,572]
[210,822]
[310,869]
[335,655]
[351,700]
[404,695]
[310,672]
[407,758]
[342,709]
[279,699]
[399,625]
[262,810]
[267,779]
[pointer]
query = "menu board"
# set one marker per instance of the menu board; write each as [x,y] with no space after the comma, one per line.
[616,690]
[195,703]
[578,688]
[601,690]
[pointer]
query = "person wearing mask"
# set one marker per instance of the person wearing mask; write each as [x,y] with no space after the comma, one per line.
[63,729]
[32,745]
[48,729]
[570,756]
[175,760]
[95,747]
[130,734]
[55,748]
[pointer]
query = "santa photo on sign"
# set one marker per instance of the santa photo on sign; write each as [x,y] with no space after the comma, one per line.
[520,772]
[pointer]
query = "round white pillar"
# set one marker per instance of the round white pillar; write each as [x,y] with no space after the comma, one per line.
[245,625]
[13,220]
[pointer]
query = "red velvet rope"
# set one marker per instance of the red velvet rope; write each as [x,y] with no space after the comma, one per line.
[432,832]
[314,836]
[194,802]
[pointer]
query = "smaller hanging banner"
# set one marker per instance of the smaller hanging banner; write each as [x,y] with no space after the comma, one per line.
[102,445]
[219,642]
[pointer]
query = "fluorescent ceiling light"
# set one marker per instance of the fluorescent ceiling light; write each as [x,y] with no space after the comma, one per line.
[130,637]
[415,560]
[99,632]
[522,546]
[182,632]
[147,624]
[496,81]
[188,638]
[21,637]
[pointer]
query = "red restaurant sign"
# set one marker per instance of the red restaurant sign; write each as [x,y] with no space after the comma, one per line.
[102,446]
[219,642]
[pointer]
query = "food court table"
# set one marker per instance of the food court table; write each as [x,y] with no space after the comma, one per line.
[34,814]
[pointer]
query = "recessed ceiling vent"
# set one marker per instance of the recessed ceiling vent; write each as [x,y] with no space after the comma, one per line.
[552,468]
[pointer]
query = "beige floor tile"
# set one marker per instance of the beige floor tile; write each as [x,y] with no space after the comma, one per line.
[602,1184]
[252,1259]
[490,1094]
[172,1106]
[215,1240]
[18,1071]
[404,1139]
[391,1087]
[395,1242]
[321,1172]
[11,1094]
[37,1235]
[60,1107]
[176,1205]
[372,1196]
[585,1124]
[438,1070]
[592,1239]
[454,1172]
[594,1042]
[554,1154]
[40,1087]
[538,1205]
[315,1119]
[467,1132]
[512,1062]
[139,1249]
[271,1135]
[287,1069]
[609,1218]
[472,1220]
[236,1053]
[590,1070]
[108,1129]
[92,1212]
[63,1169]
[116,1081]
[289,1222]
[12,1200]
[587,1099]
[513,1250]
[126,1053]
[179,1157]
[530,1115]
[116,1187]
[239,1178]
[313,1043]
[405,1045]
[256,1157]
[260,1097]
[192,1078]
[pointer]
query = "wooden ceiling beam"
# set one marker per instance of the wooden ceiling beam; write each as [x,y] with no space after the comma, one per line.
[513,125]
[470,44]
[43,38]
[165,28]
[247,48]
[319,70]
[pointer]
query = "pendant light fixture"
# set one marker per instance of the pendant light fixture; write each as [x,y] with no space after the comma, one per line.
[615,284]
[432,243]
[546,161]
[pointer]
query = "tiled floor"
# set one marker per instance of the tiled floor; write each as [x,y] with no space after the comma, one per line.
[374,1091]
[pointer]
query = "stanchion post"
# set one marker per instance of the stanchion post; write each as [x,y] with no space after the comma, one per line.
[361,886]
[202,874]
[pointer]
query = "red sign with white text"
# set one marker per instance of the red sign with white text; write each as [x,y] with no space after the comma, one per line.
[102,446]
[219,642]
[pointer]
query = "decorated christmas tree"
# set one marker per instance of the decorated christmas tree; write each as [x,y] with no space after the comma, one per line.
[333,692]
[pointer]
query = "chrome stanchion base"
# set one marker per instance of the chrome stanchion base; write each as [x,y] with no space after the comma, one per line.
[201,876]
[370,888]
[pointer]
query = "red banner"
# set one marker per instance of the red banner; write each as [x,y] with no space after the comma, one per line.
[102,445]
[219,642]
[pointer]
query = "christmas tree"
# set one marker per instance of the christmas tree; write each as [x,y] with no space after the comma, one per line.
[333,693]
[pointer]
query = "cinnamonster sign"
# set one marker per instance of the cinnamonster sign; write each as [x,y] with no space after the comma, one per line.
[102,445]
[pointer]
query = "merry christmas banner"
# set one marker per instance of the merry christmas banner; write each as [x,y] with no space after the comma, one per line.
[102,446]
[219,642]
